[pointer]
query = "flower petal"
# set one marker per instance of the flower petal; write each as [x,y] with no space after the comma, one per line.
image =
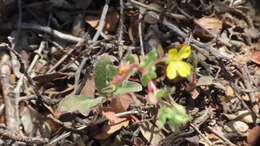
[182,68]
[171,71]
[172,53]
[184,52]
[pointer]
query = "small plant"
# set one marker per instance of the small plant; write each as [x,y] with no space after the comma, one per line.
[175,113]
[111,81]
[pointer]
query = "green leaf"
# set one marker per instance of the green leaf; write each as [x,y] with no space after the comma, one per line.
[128,87]
[165,92]
[176,115]
[111,71]
[150,74]
[101,74]
[149,58]
[129,58]
[80,103]
[162,116]
[179,116]
[204,80]
[159,94]
[147,77]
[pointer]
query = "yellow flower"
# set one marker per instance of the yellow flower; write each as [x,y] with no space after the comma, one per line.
[176,64]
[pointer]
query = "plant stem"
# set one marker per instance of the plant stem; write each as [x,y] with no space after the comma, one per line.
[163,59]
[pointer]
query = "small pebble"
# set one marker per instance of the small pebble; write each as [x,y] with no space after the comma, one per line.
[246,116]
[236,126]
[241,126]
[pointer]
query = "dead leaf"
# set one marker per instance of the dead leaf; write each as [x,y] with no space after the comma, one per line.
[109,128]
[111,116]
[151,133]
[111,21]
[52,125]
[118,104]
[229,92]
[121,103]
[211,136]
[194,94]
[255,57]
[213,25]
[89,88]
[133,29]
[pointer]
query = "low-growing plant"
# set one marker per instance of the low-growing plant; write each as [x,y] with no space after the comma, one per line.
[111,81]
[174,112]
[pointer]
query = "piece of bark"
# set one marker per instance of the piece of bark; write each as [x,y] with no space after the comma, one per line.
[10,111]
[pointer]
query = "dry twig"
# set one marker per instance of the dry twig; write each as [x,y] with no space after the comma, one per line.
[221,136]
[45,29]
[29,140]
[102,21]
[120,29]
